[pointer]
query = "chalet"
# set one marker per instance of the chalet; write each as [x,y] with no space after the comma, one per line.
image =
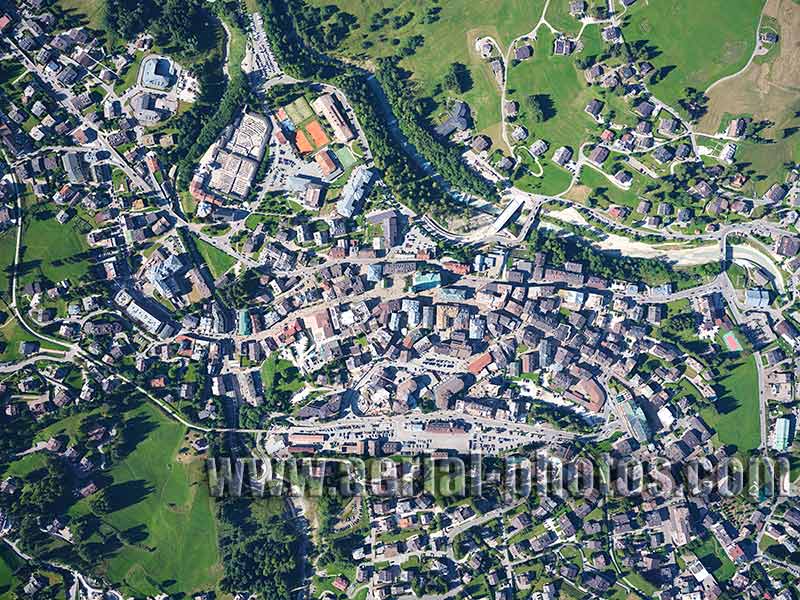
[523,52]
[577,8]
[562,156]
[594,108]
[787,246]
[510,108]
[598,155]
[623,178]
[612,34]
[645,109]
[769,37]
[663,154]
[736,128]
[563,46]
[776,193]
[594,73]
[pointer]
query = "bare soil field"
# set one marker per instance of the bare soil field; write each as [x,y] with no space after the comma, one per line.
[768,90]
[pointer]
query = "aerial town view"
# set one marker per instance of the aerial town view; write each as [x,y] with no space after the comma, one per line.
[399,299]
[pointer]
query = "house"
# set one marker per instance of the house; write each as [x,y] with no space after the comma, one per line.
[769,37]
[645,109]
[519,133]
[577,8]
[510,108]
[481,143]
[594,73]
[736,128]
[787,246]
[457,119]
[684,215]
[612,34]
[623,178]
[663,154]
[562,156]
[538,148]
[563,46]
[598,155]
[523,52]
[594,108]
[776,193]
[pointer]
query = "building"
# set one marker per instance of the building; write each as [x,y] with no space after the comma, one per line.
[756,298]
[73,167]
[457,119]
[156,72]
[426,281]
[783,430]
[354,191]
[326,106]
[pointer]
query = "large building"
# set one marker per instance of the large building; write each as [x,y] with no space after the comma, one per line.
[238,155]
[157,73]
[354,191]
[326,106]
[783,429]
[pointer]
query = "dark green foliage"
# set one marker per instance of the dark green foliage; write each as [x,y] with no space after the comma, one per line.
[174,23]
[445,158]
[293,34]
[258,555]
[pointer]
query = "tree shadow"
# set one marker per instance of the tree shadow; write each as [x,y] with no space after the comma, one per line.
[123,495]
[136,431]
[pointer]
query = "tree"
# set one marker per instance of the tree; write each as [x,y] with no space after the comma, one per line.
[535,110]
[457,79]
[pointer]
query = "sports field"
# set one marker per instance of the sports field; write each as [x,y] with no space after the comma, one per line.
[731,342]
[299,110]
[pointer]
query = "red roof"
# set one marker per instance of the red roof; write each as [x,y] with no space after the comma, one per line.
[480,363]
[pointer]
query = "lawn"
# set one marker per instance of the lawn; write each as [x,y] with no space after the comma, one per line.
[8,246]
[563,94]
[12,333]
[92,11]
[281,376]
[605,191]
[737,416]
[9,562]
[558,16]
[450,38]
[166,504]
[218,261]
[713,557]
[49,249]
[697,42]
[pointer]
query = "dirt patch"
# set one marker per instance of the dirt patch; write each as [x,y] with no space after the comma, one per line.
[579,193]
[768,90]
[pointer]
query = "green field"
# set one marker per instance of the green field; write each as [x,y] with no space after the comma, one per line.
[713,557]
[12,333]
[218,261]
[280,376]
[9,562]
[449,39]
[166,504]
[8,246]
[558,16]
[559,82]
[698,42]
[41,257]
[737,416]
